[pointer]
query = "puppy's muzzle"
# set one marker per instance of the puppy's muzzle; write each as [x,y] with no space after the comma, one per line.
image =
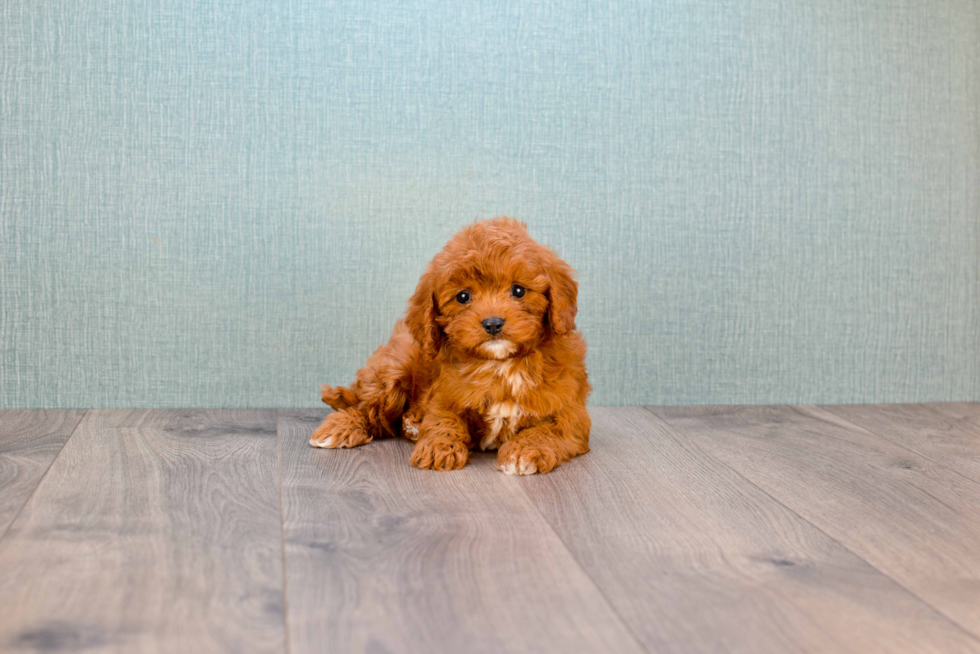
[493,325]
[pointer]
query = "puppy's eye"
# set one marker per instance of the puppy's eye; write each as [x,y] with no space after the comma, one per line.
[518,291]
[463,297]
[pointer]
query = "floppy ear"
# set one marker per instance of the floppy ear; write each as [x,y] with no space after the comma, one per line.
[562,295]
[421,316]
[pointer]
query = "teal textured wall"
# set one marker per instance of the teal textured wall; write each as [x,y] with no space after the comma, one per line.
[227,202]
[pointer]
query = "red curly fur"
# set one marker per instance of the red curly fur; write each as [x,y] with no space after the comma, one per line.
[443,381]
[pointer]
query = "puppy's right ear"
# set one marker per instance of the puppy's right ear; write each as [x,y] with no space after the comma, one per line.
[421,316]
[563,294]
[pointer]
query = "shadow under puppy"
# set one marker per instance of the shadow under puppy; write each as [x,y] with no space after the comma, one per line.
[487,356]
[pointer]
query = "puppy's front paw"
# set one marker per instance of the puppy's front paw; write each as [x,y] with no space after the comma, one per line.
[516,458]
[440,453]
[339,429]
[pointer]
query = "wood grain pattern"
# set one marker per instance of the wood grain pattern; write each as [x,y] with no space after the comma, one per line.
[30,439]
[910,518]
[949,434]
[154,531]
[382,557]
[737,529]
[697,559]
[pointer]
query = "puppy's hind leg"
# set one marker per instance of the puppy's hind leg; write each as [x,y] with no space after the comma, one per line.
[341,429]
[338,397]
[377,398]
[356,420]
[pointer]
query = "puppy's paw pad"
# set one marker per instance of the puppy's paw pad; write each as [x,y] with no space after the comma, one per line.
[339,430]
[526,467]
[440,454]
[325,443]
[514,459]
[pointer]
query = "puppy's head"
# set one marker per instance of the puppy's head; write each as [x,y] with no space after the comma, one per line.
[492,293]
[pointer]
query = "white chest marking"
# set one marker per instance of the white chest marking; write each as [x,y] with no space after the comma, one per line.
[500,422]
[515,379]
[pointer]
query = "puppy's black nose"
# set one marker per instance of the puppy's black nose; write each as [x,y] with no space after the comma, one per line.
[493,325]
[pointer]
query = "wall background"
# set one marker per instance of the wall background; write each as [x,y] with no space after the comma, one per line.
[227,202]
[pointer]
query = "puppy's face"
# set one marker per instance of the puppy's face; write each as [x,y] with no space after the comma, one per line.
[492,293]
[494,313]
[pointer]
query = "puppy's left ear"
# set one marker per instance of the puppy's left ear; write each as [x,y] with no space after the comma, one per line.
[563,297]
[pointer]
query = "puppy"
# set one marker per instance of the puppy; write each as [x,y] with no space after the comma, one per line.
[487,356]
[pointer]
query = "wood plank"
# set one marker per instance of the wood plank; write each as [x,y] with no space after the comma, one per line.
[153,531]
[969,410]
[382,557]
[30,439]
[909,517]
[697,559]
[959,410]
[949,434]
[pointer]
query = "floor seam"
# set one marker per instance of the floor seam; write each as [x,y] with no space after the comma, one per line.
[282,537]
[875,434]
[40,481]
[595,584]
[911,592]
[829,409]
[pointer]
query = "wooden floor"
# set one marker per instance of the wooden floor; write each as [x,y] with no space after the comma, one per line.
[721,529]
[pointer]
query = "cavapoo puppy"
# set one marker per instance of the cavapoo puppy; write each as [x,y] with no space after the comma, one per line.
[487,356]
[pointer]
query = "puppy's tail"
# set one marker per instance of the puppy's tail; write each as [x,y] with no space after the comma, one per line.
[338,397]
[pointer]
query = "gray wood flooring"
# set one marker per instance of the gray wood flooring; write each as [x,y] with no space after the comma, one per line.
[686,529]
